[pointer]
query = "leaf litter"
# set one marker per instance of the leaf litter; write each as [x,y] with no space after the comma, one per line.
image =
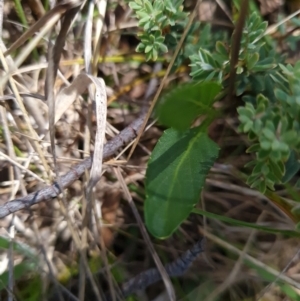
[223,194]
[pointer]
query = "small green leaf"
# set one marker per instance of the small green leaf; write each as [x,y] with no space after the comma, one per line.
[148,6]
[253,148]
[265,145]
[252,60]
[262,187]
[257,170]
[275,145]
[275,155]
[163,48]
[281,95]
[239,70]
[246,111]
[276,169]
[148,48]
[263,154]
[248,126]
[289,136]
[292,166]
[269,134]
[134,6]
[206,67]
[262,68]
[296,210]
[175,175]
[220,47]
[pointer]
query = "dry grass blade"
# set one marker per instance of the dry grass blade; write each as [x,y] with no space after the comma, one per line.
[12,156]
[16,164]
[54,13]
[160,267]
[159,90]
[101,108]
[32,132]
[253,260]
[1,16]
[101,111]
[69,94]
[268,287]
[87,201]
[75,173]
[102,4]
[90,237]
[237,267]
[54,58]
[271,29]
[88,38]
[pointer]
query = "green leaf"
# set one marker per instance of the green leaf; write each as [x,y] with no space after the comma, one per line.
[262,68]
[20,248]
[221,48]
[269,134]
[263,154]
[290,292]
[262,187]
[182,105]
[163,48]
[175,176]
[276,169]
[292,166]
[240,223]
[148,48]
[265,145]
[253,148]
[19,270]
[281,95]
[134,6]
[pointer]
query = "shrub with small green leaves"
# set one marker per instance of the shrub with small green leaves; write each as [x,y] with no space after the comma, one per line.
[275,126]
[271,93]
[160,21]
[253,58]
[270,115]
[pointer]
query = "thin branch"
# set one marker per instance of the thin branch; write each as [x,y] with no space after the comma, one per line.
[175,268]
[52,191]
[236,44]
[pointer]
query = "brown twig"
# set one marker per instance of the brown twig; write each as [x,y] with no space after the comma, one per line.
[236,44]
[175,268]
[52,191]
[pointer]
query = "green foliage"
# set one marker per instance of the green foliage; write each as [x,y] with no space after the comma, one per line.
[274,126]
[182,105]
[270,116]
[269,89]
[182,157]
[160,22]
[240,223]
[19,271]
[161,25]
[32,290]
[175,176]
[20,12]
[289,291]
[207,65]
